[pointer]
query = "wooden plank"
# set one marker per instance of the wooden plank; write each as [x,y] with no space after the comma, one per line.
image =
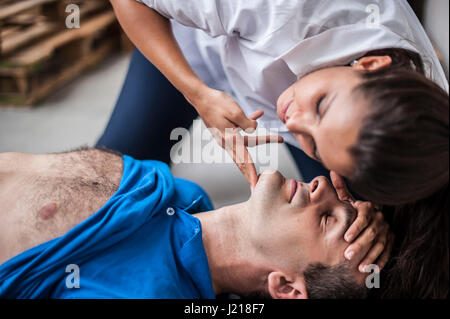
[13,42]
[10,10]
[2,2]
[70,73]
[61,77]
[87,7]
[25,19]
[46,48]
[9,31]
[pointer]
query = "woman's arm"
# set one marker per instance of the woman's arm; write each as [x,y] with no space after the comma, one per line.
[152,35]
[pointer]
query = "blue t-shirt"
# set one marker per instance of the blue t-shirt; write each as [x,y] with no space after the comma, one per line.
[143,243]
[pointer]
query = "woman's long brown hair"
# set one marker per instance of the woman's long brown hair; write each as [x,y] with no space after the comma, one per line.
[402,161]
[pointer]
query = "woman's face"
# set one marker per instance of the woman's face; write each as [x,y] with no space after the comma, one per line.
[325,116]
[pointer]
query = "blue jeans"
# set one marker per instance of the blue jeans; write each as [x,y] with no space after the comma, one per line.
[149,108]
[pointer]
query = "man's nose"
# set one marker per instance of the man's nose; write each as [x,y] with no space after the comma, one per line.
[319,188]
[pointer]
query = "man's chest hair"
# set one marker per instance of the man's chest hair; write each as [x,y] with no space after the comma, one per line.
[47,201]
[79,182]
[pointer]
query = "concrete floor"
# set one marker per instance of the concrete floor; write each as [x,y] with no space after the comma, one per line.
[76,115]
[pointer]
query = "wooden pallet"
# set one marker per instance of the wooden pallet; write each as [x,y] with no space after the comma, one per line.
[24,22]
[30,74]
[10,9]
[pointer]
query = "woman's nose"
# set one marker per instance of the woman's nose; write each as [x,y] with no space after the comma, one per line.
[300,122]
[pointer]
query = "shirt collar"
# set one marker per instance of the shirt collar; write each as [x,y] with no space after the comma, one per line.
[194,260]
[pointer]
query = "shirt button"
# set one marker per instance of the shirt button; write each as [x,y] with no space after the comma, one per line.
[170,211]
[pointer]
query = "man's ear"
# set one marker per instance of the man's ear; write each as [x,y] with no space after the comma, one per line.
[373,63]
[282,286]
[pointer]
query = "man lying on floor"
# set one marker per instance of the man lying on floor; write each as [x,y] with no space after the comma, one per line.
[127,226]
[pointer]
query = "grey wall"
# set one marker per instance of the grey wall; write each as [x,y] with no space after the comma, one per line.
[436,23]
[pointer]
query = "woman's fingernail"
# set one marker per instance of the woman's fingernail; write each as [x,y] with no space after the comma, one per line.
[349,255]
[349,237]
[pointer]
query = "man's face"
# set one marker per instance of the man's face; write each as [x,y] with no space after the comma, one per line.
[297,224]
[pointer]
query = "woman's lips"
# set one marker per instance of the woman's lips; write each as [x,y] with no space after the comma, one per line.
[294,186]
[284,111]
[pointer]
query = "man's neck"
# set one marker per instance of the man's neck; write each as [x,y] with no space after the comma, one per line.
[232,263]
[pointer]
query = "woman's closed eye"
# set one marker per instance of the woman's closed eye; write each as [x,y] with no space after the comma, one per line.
[320,113]
[319,106]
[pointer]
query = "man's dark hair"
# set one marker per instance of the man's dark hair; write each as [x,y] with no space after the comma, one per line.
[419,264]
[333,282]
[325,282]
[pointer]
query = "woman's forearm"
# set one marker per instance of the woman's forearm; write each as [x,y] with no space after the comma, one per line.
[152,34]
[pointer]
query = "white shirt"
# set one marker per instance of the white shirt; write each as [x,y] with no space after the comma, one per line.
[255,49]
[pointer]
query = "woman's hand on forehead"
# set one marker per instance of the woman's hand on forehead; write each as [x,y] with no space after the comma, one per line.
[369,235]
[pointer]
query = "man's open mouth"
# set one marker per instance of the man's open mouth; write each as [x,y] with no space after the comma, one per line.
[314,185]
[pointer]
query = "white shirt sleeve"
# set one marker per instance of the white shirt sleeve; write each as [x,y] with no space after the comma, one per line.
[201,14]
[247,19]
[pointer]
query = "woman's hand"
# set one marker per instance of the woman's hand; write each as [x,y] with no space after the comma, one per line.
[225,118]
[369,235]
